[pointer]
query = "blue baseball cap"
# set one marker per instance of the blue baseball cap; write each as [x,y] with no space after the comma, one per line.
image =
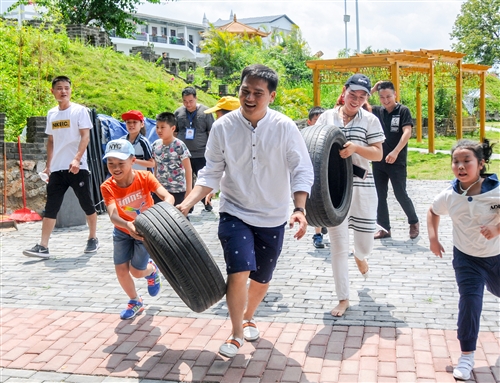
[359,82]
[121,149]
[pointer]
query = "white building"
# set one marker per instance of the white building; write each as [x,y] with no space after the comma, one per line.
[179,39]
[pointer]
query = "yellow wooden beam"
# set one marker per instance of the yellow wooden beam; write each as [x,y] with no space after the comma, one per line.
[459,100]
[316,88]
[430,108]
[395,79]
[419,115]
[482,107]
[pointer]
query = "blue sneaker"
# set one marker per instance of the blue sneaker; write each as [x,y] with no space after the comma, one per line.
[154,282]
[318,241]
[133,308]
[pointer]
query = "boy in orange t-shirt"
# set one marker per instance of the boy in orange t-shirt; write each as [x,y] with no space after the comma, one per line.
[126,195]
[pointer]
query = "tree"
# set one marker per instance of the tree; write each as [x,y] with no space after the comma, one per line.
[117,16]
[477,29]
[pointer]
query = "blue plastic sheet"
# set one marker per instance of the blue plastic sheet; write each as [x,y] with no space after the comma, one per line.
[113,129]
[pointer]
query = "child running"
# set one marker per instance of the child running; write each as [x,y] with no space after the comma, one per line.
[473,203]
[171,155]
[134,121]
[127,193]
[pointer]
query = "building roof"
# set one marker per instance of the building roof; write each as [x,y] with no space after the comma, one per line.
[255,20]
[239,28]
[171,22]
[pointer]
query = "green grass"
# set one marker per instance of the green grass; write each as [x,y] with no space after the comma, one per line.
[494,124]
[425,166]
[446,143]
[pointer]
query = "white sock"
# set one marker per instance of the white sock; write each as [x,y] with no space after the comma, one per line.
[464,367]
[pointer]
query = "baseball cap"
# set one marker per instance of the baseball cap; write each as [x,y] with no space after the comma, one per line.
[359,82]
[133,115]
[121,149]
[226,103]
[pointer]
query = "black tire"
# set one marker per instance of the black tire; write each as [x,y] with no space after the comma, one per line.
[181,255]
[331,194]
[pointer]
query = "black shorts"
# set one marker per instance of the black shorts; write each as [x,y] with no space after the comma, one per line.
[59,182]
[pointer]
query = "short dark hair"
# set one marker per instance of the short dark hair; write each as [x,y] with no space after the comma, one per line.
[60,79]
[167,117]
[189,90]
[263,72]
[316,111]
[386,85]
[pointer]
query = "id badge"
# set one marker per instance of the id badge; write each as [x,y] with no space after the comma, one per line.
[190,133]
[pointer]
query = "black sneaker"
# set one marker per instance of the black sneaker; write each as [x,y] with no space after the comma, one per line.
[324,230]
[318,241]
[37,251]
[92,245]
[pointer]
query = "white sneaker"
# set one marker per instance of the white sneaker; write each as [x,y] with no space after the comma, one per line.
[250,330]
[464,367]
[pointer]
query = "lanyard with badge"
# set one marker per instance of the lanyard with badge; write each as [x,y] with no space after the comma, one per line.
[190,131]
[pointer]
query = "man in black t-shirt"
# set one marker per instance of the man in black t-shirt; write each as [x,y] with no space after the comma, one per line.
[397,123]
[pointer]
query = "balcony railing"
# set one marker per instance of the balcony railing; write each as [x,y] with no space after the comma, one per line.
[171,40]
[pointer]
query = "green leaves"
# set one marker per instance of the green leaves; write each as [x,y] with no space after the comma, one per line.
[477,30]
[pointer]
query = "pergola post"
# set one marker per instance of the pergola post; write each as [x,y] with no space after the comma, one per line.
[430,108]
[419,115]
[395,79]
[459,100]
[482,106]
[316,88]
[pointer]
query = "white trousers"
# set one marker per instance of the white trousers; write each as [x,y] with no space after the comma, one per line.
[362,219]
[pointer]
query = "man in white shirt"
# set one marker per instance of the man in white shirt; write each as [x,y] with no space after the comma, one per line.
[68,128]
[256,156]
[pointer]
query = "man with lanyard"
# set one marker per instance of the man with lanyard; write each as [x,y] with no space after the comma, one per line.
[193,127]
[397,123]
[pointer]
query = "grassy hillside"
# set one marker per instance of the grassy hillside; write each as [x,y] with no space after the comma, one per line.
[102,78]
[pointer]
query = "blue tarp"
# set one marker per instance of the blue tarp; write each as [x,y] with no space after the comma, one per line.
[112,129]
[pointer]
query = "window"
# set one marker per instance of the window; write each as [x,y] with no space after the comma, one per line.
[190,38]
[173,32]
[154,30]
[164,31]
[144,29]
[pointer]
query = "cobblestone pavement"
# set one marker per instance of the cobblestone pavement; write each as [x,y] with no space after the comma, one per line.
[60,316]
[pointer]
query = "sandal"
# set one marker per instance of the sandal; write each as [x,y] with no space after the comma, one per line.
[250,330]
[230,347]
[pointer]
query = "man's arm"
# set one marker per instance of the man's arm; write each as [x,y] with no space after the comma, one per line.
[50,153]
[74,166]
[403,141]
[299,200]
[193,198]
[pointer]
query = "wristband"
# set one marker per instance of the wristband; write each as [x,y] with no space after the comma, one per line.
[299,209]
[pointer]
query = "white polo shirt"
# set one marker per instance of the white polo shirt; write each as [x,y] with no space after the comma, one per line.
[469,213]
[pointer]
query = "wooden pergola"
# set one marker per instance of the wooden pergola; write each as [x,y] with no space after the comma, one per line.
[422,61]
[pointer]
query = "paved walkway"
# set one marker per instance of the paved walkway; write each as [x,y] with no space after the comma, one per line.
[59,317]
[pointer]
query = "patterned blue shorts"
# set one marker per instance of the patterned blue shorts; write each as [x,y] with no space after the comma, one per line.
[250,248]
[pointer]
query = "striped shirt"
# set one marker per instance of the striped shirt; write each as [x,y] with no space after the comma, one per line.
[363,130]
[142,149]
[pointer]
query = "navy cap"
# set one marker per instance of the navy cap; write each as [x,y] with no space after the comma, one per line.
[359,82]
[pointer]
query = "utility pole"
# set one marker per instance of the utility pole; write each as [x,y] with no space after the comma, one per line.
[357,28]
[347,18]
